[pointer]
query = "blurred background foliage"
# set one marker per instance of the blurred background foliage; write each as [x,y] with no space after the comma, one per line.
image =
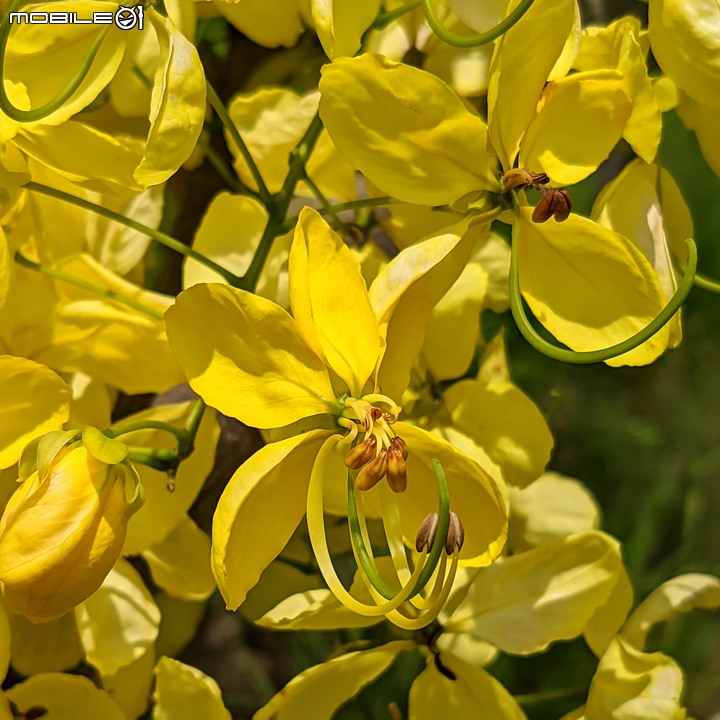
[646,441]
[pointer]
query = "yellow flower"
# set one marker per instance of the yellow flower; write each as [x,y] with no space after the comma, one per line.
[64,528]
[326,379]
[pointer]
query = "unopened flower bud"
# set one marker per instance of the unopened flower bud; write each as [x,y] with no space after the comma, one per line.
[401,445]
[426,534]
[361,453]
[396,471]
[373,472]
[60,535]
[455,536]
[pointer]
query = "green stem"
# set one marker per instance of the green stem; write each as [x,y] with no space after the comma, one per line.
[290,223]
[125,428]
[192,425]
[436,550]
[597,356]
[483,38]
[706,283]
[163,460]
[221,111]
[385,18]
[326,208]
[90,287]
[214,158]
[26,116]
[559,694]
[157,235]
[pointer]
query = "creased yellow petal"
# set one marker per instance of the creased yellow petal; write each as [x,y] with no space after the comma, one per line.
[249,527]
[325,687]
[340,24]
[263,373]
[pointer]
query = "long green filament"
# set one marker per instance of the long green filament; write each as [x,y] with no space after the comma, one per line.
[470,41]
[597,356]
[26,116]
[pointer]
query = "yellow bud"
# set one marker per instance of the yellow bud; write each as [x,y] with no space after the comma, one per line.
[60,537]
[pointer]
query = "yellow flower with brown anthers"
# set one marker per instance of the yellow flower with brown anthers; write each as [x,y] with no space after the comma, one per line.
[325,382]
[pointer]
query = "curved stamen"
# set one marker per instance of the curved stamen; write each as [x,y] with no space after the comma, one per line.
[394,409]
[597,356]
[483,38]
[26,116]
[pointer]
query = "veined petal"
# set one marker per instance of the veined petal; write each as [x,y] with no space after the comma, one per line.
[263,372]
[474,496]
[506,423]
[674,597]
[177,107]
[685,39]
[322,689]
[330,302]
[589,286]
[340,24]
[523,603]
[405,130]
[259,510]
[404,293]
[433,695]
[522,62]
[580,120]
[630,684]
[183,692]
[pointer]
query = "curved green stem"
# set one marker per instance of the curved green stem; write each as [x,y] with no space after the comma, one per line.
[706,283]
[483,38]
[90,287]
[597,356]
[26,116]
[157,235]
[125,428]
[438,546]
[221,111]
[192,425]
[163,460]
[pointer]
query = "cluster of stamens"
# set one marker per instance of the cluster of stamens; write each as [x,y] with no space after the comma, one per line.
[555,203]
[381,453]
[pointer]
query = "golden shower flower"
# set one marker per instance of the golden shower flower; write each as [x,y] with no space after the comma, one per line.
[64,527]
[327,379]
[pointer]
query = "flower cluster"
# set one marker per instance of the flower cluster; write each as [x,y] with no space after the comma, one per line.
[403,181]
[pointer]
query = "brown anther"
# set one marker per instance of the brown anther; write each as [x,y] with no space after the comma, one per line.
[373,472]
[554,203]
[426,534]
[396,472]
[361,453]
[375,413]
[399,443]
[455,536]
[519,178]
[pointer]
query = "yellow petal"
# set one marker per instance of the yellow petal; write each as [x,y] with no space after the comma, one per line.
[179,623]
[523,603]
[581,119]
[522,62]
[263,373]
[45,647]
[685,40]
[131,685]
[183,692]
[454,328]
[4,268]
[703,121]
[589,286]
[4,641]
[45,57]
[630,684]
[549,509]
[325,687]
[433,695]
[340,24]
[674,597]
[65,697]
[404,293]
[424,147]
[34,401]
[406,224]
[466,71]
[177,107]
[505,423]
[259,510]
[474,496]
[119,622]
[163,510]
[268,24]
[330,302]
[493,254]
[180,564]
